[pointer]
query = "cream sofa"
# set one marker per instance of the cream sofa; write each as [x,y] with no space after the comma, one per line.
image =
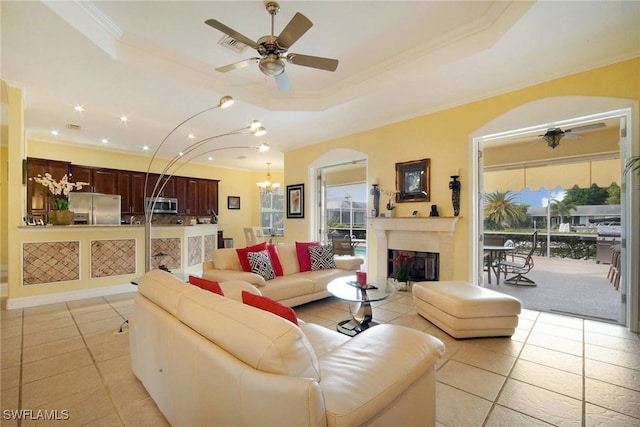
[208,360]
[293,287]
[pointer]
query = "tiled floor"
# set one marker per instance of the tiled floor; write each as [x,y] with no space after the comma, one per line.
[555,370]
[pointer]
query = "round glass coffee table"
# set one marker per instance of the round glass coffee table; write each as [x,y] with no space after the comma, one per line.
[346,289]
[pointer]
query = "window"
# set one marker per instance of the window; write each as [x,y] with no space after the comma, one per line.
[347,210]
[272,212]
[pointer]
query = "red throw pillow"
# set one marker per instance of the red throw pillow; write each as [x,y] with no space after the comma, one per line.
[270,305]
[275,260]
[205,284]
[304,259]
[242,254]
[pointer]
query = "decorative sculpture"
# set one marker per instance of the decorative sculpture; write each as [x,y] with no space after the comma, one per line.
[454,186]
[375,192]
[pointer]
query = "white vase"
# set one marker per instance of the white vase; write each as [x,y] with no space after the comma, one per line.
[389,213]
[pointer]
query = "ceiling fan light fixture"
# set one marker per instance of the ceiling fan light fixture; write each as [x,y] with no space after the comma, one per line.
[263,147]
[260,131]
[226,101]
[271,66]
[553,140]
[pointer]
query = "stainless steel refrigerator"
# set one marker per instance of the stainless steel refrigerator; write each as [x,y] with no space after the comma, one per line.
[99,208]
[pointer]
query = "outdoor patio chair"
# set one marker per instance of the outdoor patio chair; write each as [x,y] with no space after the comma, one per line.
[518,265]
[342,245]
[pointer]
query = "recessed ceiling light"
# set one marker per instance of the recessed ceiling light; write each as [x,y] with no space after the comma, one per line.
[79,108]
[191,136]
[145,147]
[209,158]
[181,154]
[54,132]
[124,119]
[104,140]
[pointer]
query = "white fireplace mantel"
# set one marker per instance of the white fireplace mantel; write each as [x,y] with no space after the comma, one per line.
[430,234]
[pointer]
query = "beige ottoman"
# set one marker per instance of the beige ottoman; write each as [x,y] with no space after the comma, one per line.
[466,311]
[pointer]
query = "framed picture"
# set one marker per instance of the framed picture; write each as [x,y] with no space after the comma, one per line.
[233,202]
[412,181]
[295,201]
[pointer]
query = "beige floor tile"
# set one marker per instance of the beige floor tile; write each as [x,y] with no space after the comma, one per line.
[596,416]
[106,345]
[10,322]
[548,378]
[10,378]
[83,408]
[143,414]
[13,343]
[413,320]
[55,365]
[116,370]
[456,408]
[396,306]
[558,331]
[111,324]
[51,309]
[310,318]
[520,335]
[559,320]
[10,358]
[41,392]
[127,392]
[485,359]
[88,317]
[542,404]
[383,315]
[555,343]
[39,324]
[503,345]
[8,333]
[53,335]
[529,314]
[614,357]
[9,402]
[618,375]
[610,329]
[112,420]
[505,417]
[554,359]
[333,314]
[613,342]
[473,380]
[51,349]
[524,323]
[10,314]
[613,397]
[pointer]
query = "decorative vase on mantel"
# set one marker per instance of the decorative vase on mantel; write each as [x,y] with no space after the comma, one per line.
[61,217]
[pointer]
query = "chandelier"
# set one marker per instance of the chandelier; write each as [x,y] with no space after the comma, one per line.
[268,186]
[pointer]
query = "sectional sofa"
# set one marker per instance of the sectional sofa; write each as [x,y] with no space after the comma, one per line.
[209,360]
[296,281]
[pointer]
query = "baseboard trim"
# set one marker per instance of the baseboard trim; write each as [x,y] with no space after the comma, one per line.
[25,302]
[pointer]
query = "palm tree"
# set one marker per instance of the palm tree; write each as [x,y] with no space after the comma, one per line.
[501,209]
[562,209]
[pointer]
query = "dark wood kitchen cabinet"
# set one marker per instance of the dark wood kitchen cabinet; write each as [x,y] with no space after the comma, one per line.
[207,197]
[100,180]
[39,198]
[192,197]
[136,193]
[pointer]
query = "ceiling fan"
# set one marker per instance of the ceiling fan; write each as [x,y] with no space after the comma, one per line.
[553,136]
[274,49]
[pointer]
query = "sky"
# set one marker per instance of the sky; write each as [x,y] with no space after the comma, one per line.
[539,198]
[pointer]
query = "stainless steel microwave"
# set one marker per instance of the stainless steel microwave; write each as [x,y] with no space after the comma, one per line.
[163,204]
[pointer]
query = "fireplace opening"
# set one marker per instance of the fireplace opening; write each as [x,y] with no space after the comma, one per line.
[423,266]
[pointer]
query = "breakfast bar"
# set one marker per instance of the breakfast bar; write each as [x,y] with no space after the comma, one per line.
[102,259]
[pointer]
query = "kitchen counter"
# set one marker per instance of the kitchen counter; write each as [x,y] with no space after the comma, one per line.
[84,260]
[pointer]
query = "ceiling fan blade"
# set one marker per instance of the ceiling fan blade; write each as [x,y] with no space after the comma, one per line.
[298,25]
[586,127]
[231,32]
[572,136]
[313,61]
[282,80]
[236,65]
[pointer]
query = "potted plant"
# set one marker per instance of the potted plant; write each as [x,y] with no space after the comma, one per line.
[59,213]
[401,273]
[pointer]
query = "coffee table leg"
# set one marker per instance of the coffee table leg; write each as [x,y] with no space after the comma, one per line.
[361,319]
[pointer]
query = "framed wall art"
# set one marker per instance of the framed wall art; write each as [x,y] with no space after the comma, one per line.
[412,181]
[233,202]
[295,201]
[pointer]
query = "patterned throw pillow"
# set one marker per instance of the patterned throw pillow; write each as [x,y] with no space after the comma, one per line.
[321,258]
[261,264]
